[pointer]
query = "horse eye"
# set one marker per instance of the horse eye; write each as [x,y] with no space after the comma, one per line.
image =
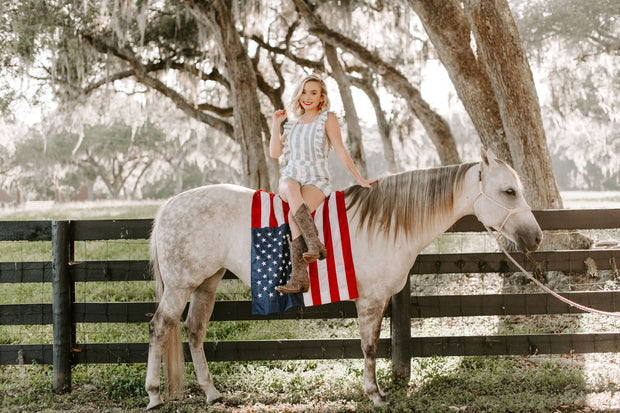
[510,192]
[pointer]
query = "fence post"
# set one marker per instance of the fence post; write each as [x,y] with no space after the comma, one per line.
[61,306]
[401,334]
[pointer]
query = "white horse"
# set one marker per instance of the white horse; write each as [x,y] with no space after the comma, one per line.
[201,232]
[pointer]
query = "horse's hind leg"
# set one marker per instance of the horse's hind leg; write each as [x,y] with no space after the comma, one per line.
[370,315]
[200,309]
[166,318]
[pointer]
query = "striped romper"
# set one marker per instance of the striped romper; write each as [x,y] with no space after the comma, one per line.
[306,152]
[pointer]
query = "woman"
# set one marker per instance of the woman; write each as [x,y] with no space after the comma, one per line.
[305,179]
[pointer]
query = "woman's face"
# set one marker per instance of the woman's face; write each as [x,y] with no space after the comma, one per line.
[311,95]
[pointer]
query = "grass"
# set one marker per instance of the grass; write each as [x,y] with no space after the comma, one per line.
[468,384]
[438,384]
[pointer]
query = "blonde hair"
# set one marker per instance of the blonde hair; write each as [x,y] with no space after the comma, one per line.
[294,105]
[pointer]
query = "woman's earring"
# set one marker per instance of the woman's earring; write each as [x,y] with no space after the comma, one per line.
[320,105]
[301,106]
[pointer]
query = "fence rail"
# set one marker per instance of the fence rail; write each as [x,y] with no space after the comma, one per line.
[64,311]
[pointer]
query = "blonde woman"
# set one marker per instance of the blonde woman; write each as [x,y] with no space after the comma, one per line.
[305,179]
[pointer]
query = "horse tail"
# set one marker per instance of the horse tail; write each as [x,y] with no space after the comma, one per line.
[173,359]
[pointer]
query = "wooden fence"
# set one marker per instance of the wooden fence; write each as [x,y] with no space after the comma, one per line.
[64,312]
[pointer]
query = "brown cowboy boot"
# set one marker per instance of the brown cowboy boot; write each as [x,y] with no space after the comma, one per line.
[299,281]
[316,249]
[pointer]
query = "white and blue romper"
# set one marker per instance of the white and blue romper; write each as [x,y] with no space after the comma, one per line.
[306,151]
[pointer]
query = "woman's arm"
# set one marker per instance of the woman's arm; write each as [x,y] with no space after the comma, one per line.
[276,142]
[332,128]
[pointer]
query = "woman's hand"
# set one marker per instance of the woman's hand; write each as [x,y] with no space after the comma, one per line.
[367,183]
[278,117]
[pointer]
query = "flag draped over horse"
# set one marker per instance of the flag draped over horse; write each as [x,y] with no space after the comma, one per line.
[331,280]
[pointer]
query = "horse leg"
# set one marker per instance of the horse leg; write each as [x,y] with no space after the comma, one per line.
[370,315]
[166,320]
[200,309]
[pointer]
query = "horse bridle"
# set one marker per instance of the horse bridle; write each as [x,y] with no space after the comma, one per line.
[510,211]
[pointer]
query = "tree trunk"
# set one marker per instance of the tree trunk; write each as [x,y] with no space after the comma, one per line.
[448,29]
[246,105]
[354,131]
[365,84]
[501,49]
[434,125]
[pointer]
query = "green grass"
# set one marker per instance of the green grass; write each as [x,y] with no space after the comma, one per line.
[470,384]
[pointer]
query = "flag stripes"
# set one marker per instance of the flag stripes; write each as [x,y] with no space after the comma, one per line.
[331,280]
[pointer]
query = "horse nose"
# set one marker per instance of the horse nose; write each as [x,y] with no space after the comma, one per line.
[530,241]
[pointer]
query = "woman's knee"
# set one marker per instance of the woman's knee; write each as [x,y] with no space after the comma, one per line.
[289,187]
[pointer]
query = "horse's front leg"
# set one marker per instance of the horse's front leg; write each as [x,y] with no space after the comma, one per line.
[370,314]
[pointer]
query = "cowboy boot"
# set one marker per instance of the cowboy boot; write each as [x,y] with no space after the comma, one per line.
[299,281]
[316,249]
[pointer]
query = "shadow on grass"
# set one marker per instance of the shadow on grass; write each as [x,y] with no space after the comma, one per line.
[491,384]
[471,384]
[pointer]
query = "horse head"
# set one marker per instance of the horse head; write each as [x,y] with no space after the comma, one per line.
[500,204]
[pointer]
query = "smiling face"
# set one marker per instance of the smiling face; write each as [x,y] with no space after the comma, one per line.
[311,95]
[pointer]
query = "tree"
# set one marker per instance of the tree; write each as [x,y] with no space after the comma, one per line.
[248,119]
[589,26]
[39,164]
[436,127]
[117,155]
[495,85]
[574,47]
[503,54]
[207,58]
[353,124]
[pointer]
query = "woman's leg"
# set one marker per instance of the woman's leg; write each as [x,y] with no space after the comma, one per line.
[312,197]
[301,202]
[290,192]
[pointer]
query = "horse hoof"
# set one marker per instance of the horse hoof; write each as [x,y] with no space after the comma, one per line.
[379,400]
[154,403]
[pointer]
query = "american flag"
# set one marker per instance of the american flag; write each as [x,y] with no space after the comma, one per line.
[331,280]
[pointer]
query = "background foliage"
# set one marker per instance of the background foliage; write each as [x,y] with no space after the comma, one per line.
[67,123]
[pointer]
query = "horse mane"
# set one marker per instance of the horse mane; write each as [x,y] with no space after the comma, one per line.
[407,201]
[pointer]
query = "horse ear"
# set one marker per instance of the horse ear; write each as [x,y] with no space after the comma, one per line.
[488,157]
[484,156]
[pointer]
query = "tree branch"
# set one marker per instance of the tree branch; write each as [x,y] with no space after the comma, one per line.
[284,51]
[436,127]
[141,73]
